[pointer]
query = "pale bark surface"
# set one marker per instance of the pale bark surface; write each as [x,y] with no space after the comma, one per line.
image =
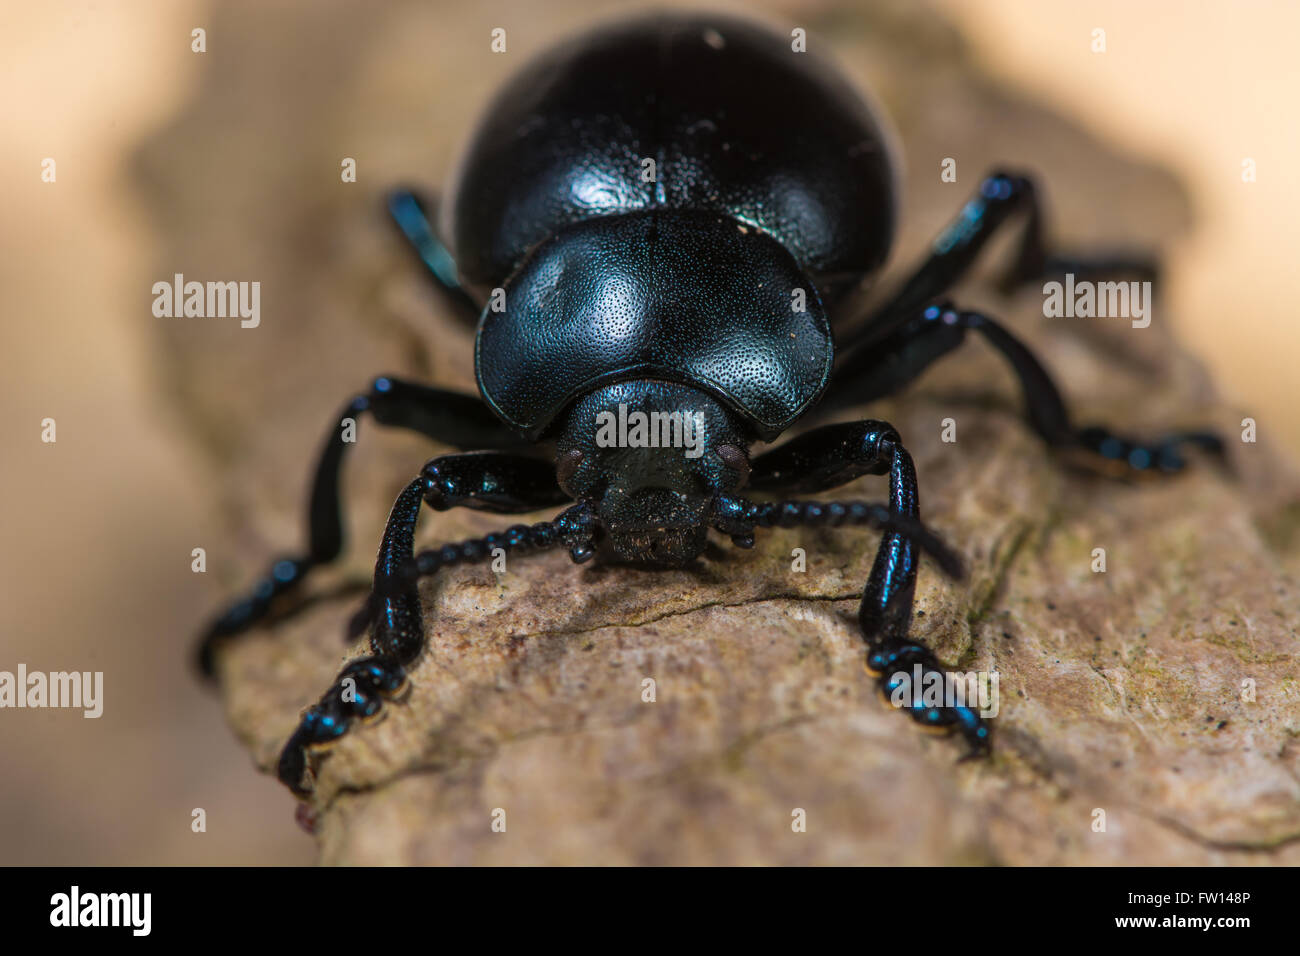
[1120,691]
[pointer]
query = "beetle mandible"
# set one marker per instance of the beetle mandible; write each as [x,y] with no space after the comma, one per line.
[666,217]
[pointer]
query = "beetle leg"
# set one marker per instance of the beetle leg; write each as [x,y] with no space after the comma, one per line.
[397,638]
[486,481]
[1050,418]
[886,366]
[445,416]
[408,209]
[832,455]
[824,458]
[1000,196]
[885,614]
[395,643]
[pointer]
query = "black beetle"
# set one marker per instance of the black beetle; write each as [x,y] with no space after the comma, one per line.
[664,218]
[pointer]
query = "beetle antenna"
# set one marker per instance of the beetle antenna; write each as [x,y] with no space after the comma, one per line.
[739,518]
[572,529]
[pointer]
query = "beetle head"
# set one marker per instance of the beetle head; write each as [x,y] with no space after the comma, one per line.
[651,457]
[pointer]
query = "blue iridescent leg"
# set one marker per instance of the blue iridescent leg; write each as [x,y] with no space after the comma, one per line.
[830,456]
[885,614]
[490,481]
[901,338]
[883,367]
[412,212]
[1000,197]
[459,420]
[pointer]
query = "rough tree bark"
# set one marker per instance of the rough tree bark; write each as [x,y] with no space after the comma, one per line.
[1120,691]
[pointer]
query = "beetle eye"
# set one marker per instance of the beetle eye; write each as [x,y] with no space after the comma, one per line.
[567,465]
[735,459]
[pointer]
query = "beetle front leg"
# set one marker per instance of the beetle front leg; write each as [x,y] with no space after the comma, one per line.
[886,366]
[885,614]
[831,456]
[396,641]
[825,458]
[397,634]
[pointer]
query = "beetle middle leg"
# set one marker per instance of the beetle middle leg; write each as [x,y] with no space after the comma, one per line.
[936,330]
[910,331]
[452,418]
[833,455]
[501,483]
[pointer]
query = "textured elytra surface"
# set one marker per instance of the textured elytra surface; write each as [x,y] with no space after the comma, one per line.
[1120,691]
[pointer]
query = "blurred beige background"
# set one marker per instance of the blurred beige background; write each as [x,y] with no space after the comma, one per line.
[98,527]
